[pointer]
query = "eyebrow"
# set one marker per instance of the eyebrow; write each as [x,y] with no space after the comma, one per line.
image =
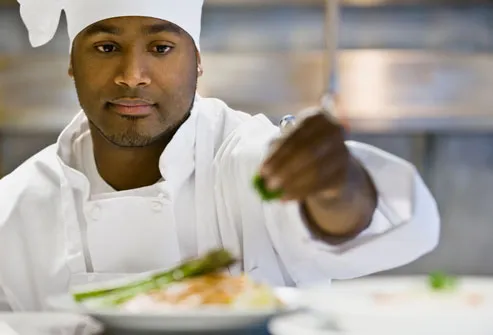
[161,28]
[100,28]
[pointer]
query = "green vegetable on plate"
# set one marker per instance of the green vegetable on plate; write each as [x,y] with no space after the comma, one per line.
[439,281]
[211,262]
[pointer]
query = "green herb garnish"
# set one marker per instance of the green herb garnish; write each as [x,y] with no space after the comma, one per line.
[266,194]
[440,281]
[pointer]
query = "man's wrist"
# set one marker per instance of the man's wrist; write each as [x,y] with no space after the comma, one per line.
[341,218]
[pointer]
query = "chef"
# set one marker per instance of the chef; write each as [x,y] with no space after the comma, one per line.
[149,173]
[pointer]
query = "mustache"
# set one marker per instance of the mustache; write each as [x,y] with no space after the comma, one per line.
[130,95]
[131,101]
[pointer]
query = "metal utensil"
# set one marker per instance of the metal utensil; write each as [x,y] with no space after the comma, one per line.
[327,102]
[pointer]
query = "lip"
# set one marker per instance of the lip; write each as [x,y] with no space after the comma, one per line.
[132,107]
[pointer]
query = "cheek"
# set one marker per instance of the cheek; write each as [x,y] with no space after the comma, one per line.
[183,81]
[179,71]
[88,94]
[90,84]
[174,81]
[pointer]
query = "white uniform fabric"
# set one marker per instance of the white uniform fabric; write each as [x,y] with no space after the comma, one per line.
[42,17]
[56,230]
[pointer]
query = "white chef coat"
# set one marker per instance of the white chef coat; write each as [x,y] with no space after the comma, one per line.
[60,226]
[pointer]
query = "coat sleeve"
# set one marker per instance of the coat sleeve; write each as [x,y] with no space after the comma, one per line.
[8,237]
[405,225]
[4,304]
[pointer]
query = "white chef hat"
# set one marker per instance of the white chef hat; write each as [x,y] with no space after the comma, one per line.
[42,17]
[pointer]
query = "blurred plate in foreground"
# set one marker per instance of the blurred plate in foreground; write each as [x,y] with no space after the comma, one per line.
[404,305]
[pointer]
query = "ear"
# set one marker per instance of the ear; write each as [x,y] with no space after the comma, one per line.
[200,70]
[70,70]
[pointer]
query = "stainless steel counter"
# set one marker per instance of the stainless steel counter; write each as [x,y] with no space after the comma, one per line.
[381,91]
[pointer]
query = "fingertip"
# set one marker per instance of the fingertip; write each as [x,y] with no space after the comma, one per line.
[273,183]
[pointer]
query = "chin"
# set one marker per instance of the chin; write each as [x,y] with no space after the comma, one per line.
[131,140]
[135,134]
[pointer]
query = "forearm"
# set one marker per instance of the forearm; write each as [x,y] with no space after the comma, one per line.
[336,218]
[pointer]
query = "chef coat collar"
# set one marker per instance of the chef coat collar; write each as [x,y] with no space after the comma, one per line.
[176,162]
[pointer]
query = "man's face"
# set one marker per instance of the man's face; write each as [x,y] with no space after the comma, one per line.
[135,78]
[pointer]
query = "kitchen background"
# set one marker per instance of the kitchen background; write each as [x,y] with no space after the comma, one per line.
[414,77]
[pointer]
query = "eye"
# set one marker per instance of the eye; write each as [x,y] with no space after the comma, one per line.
[162,49]
[106,48]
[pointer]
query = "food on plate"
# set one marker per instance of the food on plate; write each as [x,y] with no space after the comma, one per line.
[193,284]
[212,290]
[440,288]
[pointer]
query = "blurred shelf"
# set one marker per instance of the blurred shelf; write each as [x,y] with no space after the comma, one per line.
[374,3]
[381,91]
[357,3]
[264,2]
[8,3]
[352,3]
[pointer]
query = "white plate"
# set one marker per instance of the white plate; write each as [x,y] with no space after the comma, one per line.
[181,320]
[302,323]
[370,304]
[48,323]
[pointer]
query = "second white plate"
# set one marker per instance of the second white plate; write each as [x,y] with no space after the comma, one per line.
[405,305]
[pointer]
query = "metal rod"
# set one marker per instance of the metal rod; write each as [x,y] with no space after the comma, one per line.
[332,17]
[330,102]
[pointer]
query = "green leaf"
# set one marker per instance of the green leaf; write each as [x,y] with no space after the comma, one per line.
[261,188]
[440,281]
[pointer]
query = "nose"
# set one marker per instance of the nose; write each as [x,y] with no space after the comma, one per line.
[133,72]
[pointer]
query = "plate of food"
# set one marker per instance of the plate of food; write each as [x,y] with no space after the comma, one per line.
[438,303]
[197,295]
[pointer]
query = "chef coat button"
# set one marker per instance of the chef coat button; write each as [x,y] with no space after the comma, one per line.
[157,206]
[96,213]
